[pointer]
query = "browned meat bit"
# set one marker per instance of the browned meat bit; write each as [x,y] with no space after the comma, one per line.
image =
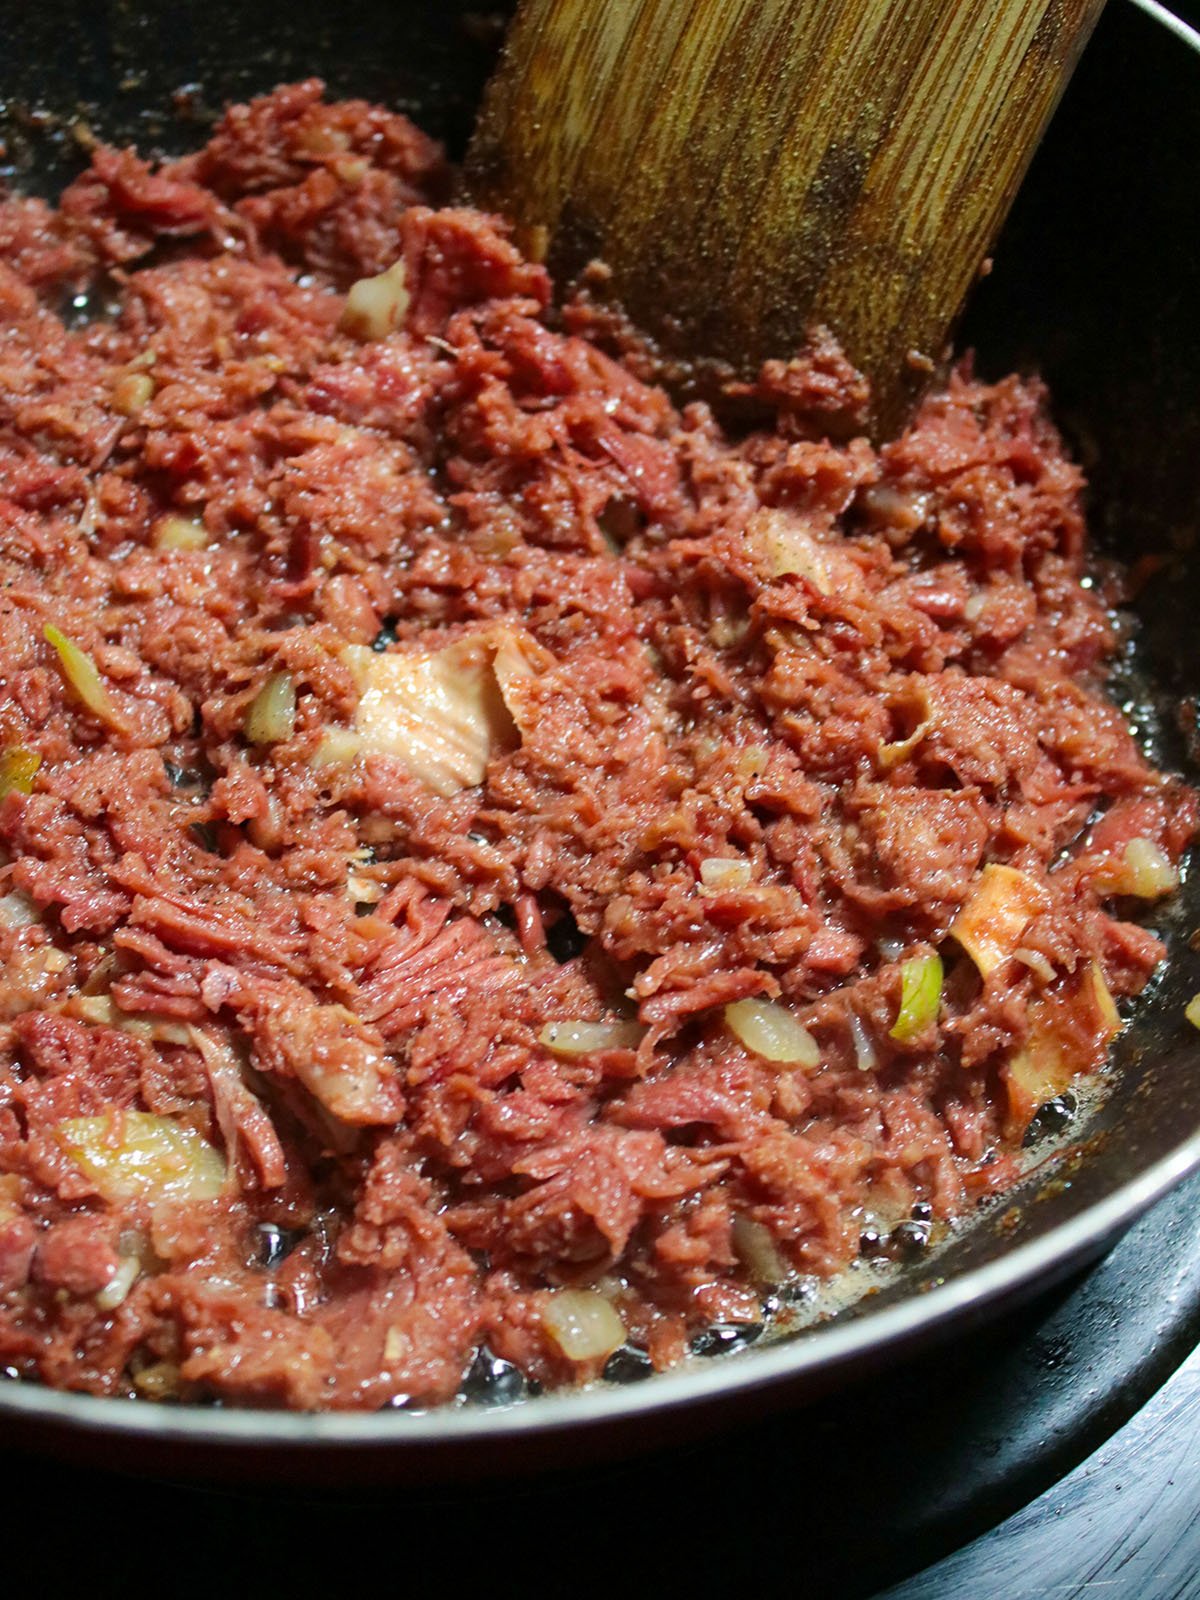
[498,875]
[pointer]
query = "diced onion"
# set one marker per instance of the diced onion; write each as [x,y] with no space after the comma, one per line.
[132,391]
[585,1038]
[158,1381]
[118,1286]
[920,996]
[789,548]
[321,140]
[97,1008]
[1145,871]
[338,748]
[133,1155]
[890,755]
[364,891]
[18,769]
[583,1324]
[752,762]
[1106,1006]
[271,717]
[180,533]
[718,874]
[376,306]
[82,676]
[757,1251]
[865,1057]
[17,910]
[1068,1026]
[771,1031]
[990,925]
[158,1030]
[903,510]
[1036,962]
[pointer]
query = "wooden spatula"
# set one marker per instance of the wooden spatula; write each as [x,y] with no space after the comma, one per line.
[748,168]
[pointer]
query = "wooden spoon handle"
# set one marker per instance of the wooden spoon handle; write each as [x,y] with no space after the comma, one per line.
[750,167]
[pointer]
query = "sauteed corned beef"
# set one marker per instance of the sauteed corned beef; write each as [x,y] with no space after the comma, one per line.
[500,875]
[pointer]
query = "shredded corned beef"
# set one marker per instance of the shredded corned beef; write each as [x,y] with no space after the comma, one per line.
[493,866]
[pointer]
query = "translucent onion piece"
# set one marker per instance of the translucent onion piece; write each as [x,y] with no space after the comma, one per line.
[338,747]
[719,874]
[771,1031]
[17,910]
[865,1057]
[445,713]
[1144,871]
[1105,1005]
[899,509]
[132,391]
[376,306]
[758,1252]
[583,1324]
[990,925]
[890,755]
[364,891]
[1070,1028]
[790,548]
[97,1008]
[82,676]
[271,717]
[134,1155]
[180,533]
[1036,962]
[158,1381]
[157,1030]
[116,1290]
[752,762]
[18,769]
[585,1038]
[920,996]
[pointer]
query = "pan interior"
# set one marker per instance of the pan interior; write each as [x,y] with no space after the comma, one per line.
[1094,286]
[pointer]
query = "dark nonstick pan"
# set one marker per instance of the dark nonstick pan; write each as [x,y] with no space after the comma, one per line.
[1097,285]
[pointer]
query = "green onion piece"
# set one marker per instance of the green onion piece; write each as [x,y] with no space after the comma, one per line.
[18,769]
[82,677]
[920,995]
[272,714]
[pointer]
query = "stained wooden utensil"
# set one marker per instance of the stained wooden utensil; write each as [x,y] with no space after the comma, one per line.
[748,168]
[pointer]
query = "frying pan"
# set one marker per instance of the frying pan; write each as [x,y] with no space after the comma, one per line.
[1097,285]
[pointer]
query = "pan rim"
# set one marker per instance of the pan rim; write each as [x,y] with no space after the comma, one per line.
[822,1350]
[825,1349]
